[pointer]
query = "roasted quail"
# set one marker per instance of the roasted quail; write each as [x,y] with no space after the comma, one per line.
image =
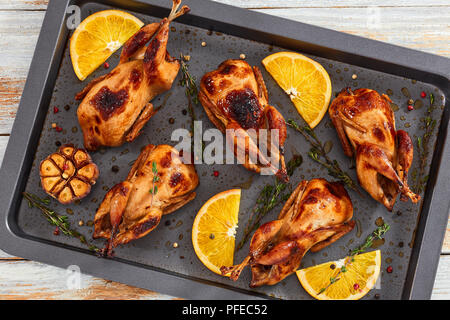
[68,174]
[316,214]
[158,184]
[116,106]
[235,99]
[365,124]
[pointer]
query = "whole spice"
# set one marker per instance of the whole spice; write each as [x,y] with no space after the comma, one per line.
[389,269]
[318,150]
[61,222]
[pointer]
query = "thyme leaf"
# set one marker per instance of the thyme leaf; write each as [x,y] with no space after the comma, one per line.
[155,179]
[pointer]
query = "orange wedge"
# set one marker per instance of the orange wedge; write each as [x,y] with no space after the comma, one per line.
[214,230]
[98,37]
[305,81]
[354,283]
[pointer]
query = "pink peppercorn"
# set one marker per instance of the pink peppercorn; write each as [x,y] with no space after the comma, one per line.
[55,110]
[423,94]
[216,173]
[356,286]
[56,232]
[410,108]
[58,129]
[389,269]
[106,65]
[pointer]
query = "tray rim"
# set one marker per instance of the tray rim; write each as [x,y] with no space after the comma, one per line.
[28,124]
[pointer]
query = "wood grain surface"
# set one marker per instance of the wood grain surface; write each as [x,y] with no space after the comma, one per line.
[410,23]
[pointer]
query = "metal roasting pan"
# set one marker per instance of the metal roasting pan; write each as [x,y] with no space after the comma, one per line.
[411,247]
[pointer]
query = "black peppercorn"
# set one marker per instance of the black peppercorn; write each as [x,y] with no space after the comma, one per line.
[115,169]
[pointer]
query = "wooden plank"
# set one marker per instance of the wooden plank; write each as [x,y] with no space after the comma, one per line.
[3,143]
[441,290]
[23,4]
[446,244]
[415,28]
[32,280]
[42,4]
[18,36]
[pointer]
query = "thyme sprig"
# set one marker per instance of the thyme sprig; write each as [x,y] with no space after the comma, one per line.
[188,81]
[60,221]
[423,148]
[378,233]
[155,179]
[269,197]
[317,152]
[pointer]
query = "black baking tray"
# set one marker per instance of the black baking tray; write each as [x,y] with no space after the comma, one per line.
[228,32]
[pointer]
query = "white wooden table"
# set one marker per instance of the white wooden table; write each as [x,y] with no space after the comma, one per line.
[408,23]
